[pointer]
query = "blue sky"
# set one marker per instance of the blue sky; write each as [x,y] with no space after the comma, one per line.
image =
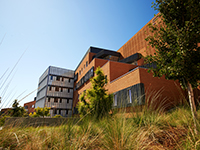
[58,33]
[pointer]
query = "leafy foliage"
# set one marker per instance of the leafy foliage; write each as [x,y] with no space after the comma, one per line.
[57,116]
[33,114]
[96,101]
[18,111]
[176,40]
[41,112]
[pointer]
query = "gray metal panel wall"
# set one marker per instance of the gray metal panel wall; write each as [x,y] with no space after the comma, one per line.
[40,103]
[137,96]
[61,72]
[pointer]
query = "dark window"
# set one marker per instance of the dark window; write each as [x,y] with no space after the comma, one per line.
[55,100]
[61,100]
[51,77]
[69,80]
[49,88]
[68,90]
[49,99]
[55,111]
[59,111]
[67,100]
[57,88]
[86,63]
[62,78]
[61,90]
[66,111]
[58,78]
[26,107]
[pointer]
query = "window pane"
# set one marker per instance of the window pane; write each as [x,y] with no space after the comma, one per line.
[130,96]
[115,100]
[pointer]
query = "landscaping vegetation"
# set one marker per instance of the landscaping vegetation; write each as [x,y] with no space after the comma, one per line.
[137,130]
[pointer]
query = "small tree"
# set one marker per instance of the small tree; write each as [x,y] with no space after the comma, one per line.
[176,40]
[18,111]
[96,101]
[41,112]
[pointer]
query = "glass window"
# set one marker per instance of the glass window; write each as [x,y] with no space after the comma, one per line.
[55,100]
[67,112]
[58,78]
[115,100]
[51,77]
[57,88]
[129,92]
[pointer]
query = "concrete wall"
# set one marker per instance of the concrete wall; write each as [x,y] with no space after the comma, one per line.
[26,122]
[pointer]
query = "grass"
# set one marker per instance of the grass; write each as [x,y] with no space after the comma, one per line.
[144,130]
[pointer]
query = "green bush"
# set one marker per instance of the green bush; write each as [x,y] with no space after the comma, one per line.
[57,116]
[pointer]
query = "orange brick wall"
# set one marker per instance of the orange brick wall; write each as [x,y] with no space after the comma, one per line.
[117,69]
[138,44]
[30,108]
[169,91]
[125,81]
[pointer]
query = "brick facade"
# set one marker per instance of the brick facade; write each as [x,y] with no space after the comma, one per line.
[30,106]
[127,71]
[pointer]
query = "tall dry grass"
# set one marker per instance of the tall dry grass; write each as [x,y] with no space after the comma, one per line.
[167,130]
[145,128]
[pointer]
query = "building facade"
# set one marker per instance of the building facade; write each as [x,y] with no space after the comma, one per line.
[127,74]
[55,90]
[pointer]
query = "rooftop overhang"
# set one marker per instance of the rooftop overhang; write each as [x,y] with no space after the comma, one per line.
[104,53]
[131,58]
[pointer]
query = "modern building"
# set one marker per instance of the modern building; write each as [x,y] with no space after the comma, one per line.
[30,106]
[55,90]
[127,74]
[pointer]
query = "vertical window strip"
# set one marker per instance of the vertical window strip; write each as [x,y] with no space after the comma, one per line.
[130,98]
[115,100]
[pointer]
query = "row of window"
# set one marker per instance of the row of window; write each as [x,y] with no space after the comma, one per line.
[55,100]
[84,66]
[59,78]
[55,112]
[59,89]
